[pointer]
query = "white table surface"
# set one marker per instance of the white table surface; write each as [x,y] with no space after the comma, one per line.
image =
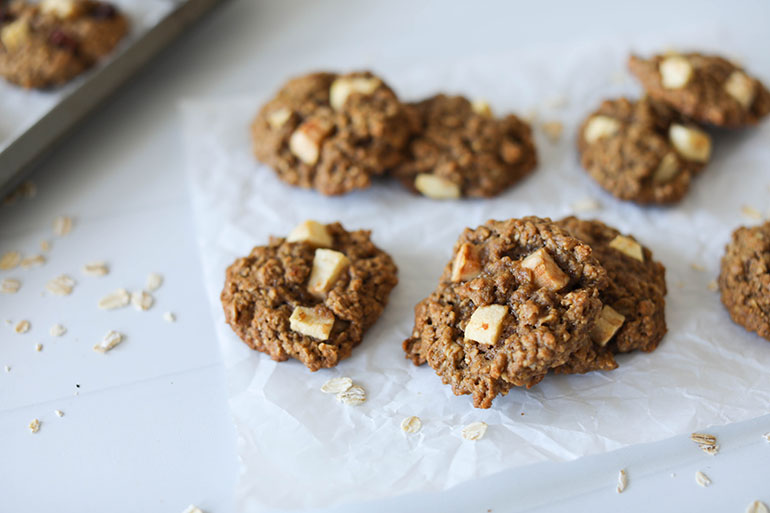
[148,428]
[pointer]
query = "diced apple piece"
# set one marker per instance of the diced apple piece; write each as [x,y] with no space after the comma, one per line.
[742,88]
[278,118]
[436,187]
[608,323]
[547,273]
[345,86]
[305,142]
[482,108]
[312,232]
[327,267]
[15,34]
[675,72]
[312,323]
[667,169]
[691,143]
[466,264]
[486,323]
[628,246]
[600,126]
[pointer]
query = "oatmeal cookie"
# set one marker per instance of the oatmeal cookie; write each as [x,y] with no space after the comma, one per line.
[460,149]
[744,280]
[332,132]
[49,43]
[310,296]
[706,88]
[642,150]
[635,296]
[518,298]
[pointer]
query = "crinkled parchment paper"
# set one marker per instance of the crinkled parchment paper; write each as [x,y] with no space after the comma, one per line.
[301,448]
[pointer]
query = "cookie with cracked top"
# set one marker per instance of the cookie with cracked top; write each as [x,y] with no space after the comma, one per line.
[744,278]
[517,299]
[707,88]
[635,296]
[459,149]
[642,150]
[332,132]
[48,43]
[311,296]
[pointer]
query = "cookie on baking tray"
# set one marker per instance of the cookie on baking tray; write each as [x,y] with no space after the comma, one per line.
[331,132]
[310,296]
[516,300]
[706,88]
[633,312]
[744,279]
[642,150]
[49,43]
[460,149]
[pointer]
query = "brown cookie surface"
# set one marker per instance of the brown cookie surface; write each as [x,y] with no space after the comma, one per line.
[311,299]
[642,150]
[49,43]
[516,300]
[636,291]
[331,132]
[706,88]
[744,279]
[460,149]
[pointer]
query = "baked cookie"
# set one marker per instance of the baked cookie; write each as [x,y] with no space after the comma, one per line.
[633,313]
[642,150]
[518,298]
[706,88]
[331,132]
[460,149]
[310,296]
[744,280]
[49,43]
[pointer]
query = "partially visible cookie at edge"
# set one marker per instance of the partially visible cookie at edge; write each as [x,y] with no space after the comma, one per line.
[516,300]
[642,150]
[707,88]
[310,296]
[332,132]
[460,149]
[744,278]
[633,314]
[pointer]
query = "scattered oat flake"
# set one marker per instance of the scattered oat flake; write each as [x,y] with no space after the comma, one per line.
[142,300]
[697,267]
[59,413]
[713,286]
[154,281]
[22,327]
[192,509]
[766,436]
[34,425]
[337,385]
[45,245]
[96,268]
[711,450]
[474,431]
[10,286]
[757,507]
[117,299]
[622,480]
[62,225]
[751,212]
[702,479]
[586,205]
[57,330]
[703,438]
[353,396]
[169,317]
[411,424]
[9,260]
[110,340]
[38,347]
[61,285]
[33,261]
[553,130]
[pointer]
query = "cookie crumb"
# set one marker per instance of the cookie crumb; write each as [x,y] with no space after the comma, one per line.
[751,212]
[110,340]
[553,130]
[713,286]
[59,413]
[38,347]
[10,286]
[622,480]
[142,300]
[33,261]
[22,327]
[702,479]
[169,317]
[97,268]
[474,431]
[411,424]
[586,205]
[34,425]
[353,396]
[337,385]
[57,330]
[154,281]
[757,507]
[62,225]
[61,285]
[10,260]
[117,299]
[706,442]
[45,245]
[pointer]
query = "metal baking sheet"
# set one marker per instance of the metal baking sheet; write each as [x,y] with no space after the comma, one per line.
[32,122]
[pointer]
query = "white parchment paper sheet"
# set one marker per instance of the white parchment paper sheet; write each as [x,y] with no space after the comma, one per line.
[300,448]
